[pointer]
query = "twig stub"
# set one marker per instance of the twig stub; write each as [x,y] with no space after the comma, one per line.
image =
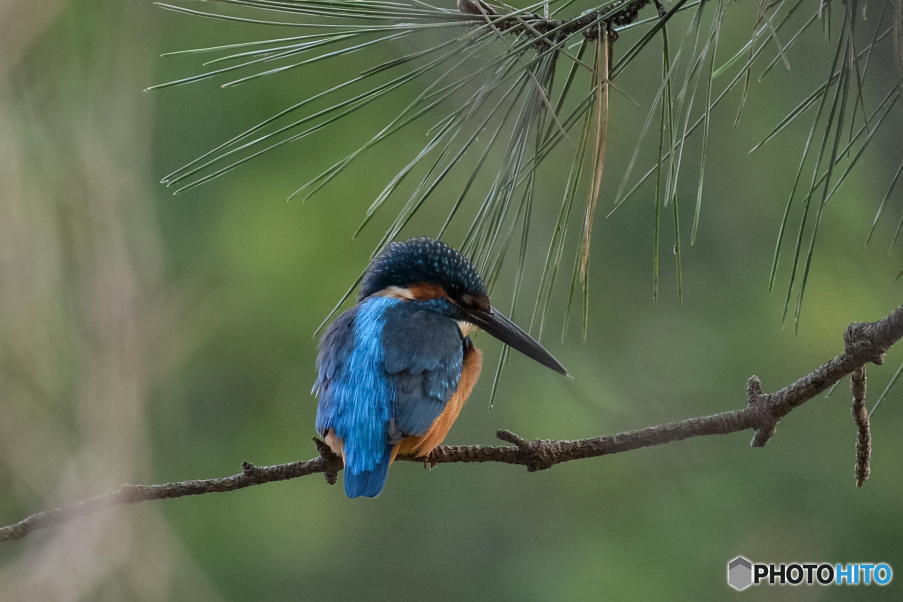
[863,468]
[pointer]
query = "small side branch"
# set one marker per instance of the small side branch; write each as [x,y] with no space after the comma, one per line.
[863,432]
[865,343]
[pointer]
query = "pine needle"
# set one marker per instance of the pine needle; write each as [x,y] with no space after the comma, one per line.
[600,83]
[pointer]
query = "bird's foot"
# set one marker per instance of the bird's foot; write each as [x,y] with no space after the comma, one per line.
[333,461]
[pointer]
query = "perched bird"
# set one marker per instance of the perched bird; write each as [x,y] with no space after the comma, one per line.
[395,370]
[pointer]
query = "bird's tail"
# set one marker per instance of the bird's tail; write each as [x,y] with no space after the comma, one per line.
[370,482]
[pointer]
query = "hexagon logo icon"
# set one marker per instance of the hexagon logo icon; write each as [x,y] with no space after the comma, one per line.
[739,573]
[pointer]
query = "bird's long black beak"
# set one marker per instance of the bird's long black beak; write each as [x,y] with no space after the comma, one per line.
[499,326]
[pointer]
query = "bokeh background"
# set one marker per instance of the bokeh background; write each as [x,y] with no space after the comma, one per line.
[148,338]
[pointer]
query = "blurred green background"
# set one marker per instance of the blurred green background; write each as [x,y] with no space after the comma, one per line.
[149,338]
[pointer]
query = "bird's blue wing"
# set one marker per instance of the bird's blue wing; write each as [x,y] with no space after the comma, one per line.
[386,369]
[356,394]
[423,355]
[335,351]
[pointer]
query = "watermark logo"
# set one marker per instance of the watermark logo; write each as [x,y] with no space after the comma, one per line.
[739,573]
[743,573]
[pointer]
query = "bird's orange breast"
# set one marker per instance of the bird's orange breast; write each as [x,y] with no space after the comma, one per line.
[422,445]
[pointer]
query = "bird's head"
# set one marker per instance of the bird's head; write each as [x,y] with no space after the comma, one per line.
[427,270]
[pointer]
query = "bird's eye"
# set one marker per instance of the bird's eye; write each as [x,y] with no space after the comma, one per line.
[474,301]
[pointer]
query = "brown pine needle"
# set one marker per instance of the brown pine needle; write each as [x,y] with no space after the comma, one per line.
[602,67]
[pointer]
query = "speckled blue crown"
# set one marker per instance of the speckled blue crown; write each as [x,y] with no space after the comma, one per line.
[421,260]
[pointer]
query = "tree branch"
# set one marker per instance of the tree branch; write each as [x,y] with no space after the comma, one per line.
[864,343]
[550,30]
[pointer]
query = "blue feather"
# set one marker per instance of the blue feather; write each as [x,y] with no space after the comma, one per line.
[424,355]
[387,368]
[367,483]
[356,399]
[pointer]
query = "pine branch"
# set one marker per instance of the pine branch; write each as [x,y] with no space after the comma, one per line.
[864,343]
[473,68]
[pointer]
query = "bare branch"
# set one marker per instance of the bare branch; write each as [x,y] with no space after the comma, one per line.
[865,343]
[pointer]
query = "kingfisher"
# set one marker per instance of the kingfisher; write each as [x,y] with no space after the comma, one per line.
[395,370]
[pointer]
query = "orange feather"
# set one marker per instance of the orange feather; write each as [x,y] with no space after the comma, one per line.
[423,444]
[423,291]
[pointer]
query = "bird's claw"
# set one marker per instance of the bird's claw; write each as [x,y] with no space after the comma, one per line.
[332,459]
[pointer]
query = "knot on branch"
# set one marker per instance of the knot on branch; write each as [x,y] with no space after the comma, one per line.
[535,455]
[333,461]
[768,421]
[858,339]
